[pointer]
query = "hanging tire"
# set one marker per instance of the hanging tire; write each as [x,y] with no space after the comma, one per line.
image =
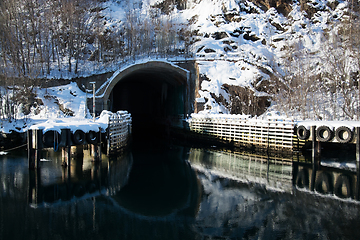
[324,134]
[302,179]
[342,187]
[92,137]
[302,132]
[344,134]
[323,183]
[50,138]
[78,137]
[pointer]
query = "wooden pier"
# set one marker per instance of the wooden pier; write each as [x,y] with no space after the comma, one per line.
[70,136]
[247,132]
[283,135]
[272,133]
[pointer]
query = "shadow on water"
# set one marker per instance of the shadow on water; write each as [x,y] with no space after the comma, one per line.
[158,190]
[160,183]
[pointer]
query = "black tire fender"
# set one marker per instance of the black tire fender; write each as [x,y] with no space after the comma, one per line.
[302,179]
[92,137]
[323,183]
[78,137]
[343,181]
[344,134]
[324,134]
[302,132]
[49,138]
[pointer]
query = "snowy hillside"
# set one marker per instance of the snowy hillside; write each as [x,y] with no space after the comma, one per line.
[294,58]
[297,57]
[50,103]
[300,58]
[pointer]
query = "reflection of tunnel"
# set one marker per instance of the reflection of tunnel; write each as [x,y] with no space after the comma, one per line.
[153,95]
[161,183]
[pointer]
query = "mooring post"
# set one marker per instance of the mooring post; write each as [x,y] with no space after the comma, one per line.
[315,155]
[99,144]
[30,149]
[96,148]
[68,143]
[34,147]
[63,156]
[66,150]
[357,190]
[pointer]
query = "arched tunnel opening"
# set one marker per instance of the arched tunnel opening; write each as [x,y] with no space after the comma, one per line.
[155,97]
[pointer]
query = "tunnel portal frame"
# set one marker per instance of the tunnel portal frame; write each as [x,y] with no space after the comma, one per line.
[180,76]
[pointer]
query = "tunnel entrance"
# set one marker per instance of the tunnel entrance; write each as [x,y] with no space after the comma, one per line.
[155,97]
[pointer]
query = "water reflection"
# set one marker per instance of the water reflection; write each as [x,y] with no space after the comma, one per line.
[247,196]
[273,172]
[169,192]
[51,183]
[160,184]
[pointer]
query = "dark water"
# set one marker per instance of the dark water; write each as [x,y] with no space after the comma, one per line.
[167,192]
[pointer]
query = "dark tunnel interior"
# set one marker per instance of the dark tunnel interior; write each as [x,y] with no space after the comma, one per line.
[154,97]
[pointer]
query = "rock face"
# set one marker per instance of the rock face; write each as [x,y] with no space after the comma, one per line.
[243,101]
[282,6]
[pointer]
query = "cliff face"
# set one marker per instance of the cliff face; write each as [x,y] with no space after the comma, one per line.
[282,6]
[310,7]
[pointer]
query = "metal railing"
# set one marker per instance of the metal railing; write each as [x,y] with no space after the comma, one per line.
[243,130]
[118,131]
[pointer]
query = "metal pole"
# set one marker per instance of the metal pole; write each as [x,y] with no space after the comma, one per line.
[85,101]
[93,83]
